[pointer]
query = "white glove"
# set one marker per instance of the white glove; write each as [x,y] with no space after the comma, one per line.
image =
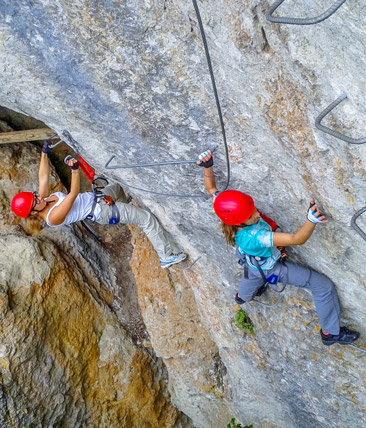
[311,217]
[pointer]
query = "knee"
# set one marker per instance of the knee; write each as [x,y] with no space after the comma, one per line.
[325,286]
[247,293]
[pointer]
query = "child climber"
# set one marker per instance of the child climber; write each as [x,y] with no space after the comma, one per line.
[59,209]
[256,241]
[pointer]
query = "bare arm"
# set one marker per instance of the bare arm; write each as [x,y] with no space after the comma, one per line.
[208,174]
[303,234]
[59,214]
[43,176]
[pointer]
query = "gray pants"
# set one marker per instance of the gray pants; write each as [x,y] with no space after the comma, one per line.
[133,215]
[323,290]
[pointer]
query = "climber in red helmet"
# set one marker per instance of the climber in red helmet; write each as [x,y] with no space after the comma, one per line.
[59,209]
[256,241]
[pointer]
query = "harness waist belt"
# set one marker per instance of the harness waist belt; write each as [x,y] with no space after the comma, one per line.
[115,215]
[258,258]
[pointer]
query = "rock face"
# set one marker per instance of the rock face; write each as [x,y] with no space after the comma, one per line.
[130,78]
[68,353]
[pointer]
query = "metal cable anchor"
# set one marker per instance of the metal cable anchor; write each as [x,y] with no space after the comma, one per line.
[355,226]
[331,131]
[301,21]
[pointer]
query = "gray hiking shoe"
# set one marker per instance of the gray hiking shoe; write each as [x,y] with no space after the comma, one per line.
[172,260]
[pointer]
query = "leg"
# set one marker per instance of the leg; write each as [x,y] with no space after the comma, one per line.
[323,290]
[248,287]
[116,192]
[149,223]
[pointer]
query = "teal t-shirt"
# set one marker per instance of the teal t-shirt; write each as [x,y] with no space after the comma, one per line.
[257,240]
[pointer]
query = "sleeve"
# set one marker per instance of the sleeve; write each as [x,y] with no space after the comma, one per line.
[264,238]
[268,220]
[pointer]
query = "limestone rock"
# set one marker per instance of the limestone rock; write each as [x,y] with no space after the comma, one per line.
[67,358]
[130,78]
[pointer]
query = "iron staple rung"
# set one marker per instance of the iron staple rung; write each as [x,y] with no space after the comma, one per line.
[301,21]
[329,131]
[355,226]
[147,164]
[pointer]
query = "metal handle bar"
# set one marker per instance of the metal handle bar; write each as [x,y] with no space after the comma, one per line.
[330,131]
[301,21]
[58,142]
[355,226]
[144,165]
[269,305]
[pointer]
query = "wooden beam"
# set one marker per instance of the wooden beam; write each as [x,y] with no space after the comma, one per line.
[27,135]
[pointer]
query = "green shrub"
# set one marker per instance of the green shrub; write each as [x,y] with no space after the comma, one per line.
[243,321]
[233,424]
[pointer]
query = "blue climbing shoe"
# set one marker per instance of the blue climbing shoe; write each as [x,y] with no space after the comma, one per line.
[172,260]
[345,337]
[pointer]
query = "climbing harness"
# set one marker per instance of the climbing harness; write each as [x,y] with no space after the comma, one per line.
[98,194]
[98,183]
[153,164]
[330,131]
[355,226]
[267,282]
[301,21]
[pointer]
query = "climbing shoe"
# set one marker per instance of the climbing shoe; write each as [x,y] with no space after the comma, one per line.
[345,337]
[261,290]
[238,299]
[172,260]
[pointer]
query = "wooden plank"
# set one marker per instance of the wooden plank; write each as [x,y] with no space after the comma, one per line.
[27,135]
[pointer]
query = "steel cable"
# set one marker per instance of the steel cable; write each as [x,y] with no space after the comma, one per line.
[213,82]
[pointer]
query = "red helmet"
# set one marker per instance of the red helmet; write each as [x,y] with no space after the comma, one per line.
[21,204]
[233,207]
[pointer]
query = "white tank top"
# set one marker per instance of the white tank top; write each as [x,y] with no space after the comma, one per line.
[80,209]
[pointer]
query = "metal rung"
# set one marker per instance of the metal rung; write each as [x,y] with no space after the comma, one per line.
[301,21]
[145,165]
[58,142]
[355,226]
[191,265]
[329,131]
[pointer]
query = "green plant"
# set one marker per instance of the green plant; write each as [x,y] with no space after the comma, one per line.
[233,424]
[243,321]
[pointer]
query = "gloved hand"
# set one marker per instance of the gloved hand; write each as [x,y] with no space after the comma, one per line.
[71,162]
[314,214]
[205,159]
[46,146]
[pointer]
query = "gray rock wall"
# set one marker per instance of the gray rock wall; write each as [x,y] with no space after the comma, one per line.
[130,78]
